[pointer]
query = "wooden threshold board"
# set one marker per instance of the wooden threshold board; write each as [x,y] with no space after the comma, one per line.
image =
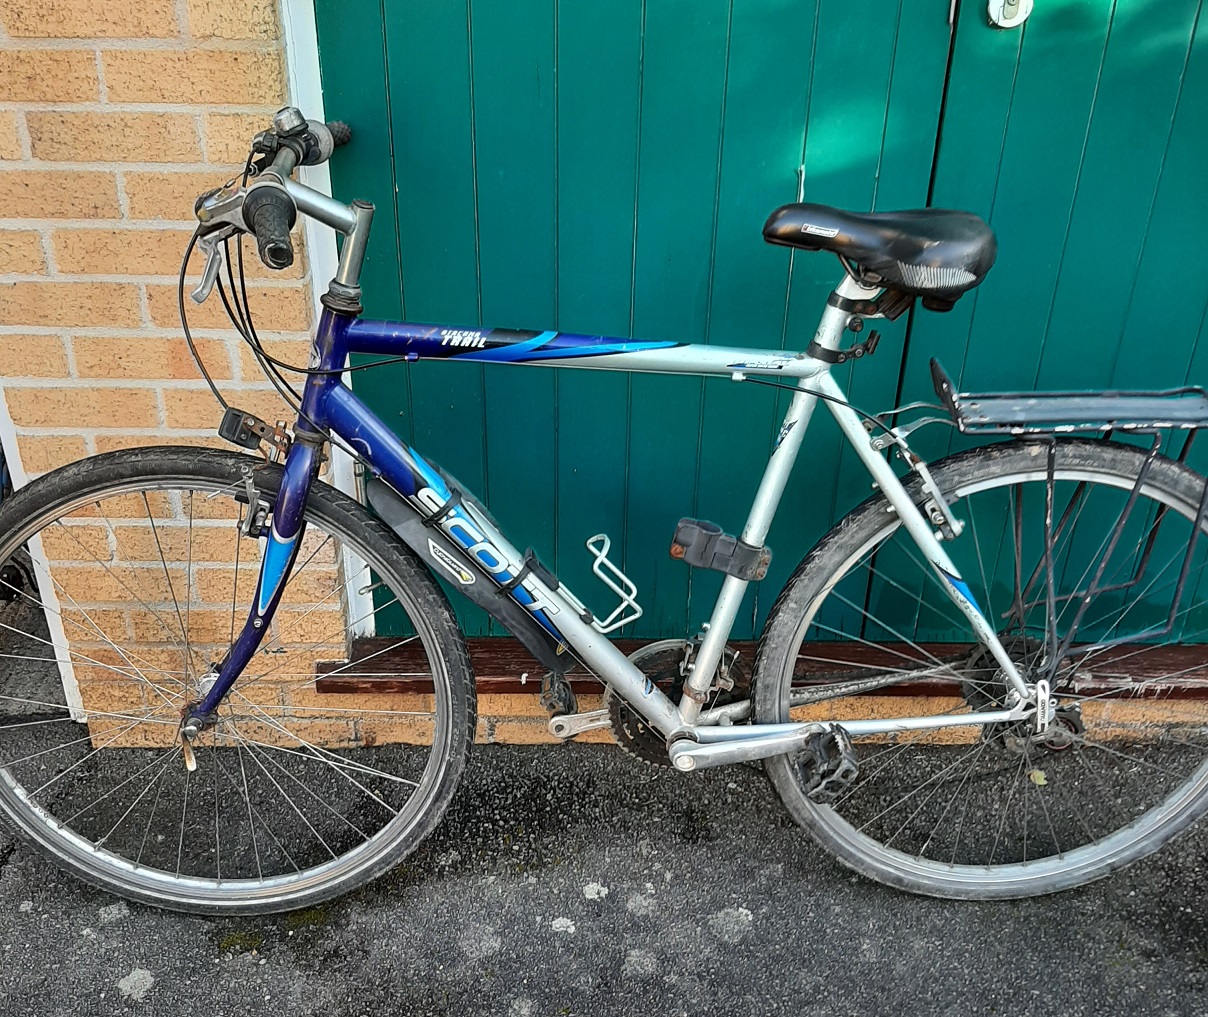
[503,666]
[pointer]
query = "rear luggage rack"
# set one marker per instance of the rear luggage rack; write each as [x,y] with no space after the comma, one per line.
[1070,412]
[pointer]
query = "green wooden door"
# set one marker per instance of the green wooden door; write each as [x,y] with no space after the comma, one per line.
[606,168]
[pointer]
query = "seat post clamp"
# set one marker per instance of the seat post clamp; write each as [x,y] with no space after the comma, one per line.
[866,348]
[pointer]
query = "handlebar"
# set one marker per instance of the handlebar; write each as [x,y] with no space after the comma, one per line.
[268,206]
[270,212]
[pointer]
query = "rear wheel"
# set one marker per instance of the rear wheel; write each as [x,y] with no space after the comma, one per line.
[1082,588]
[304,788]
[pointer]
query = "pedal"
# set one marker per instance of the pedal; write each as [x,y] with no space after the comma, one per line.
[828,764]
[557,696]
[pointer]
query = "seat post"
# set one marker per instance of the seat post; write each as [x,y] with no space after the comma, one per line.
[834,319]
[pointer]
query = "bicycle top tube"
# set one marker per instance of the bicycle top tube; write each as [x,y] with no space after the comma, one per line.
[569,349]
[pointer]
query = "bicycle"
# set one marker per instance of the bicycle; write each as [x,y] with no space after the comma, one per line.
[267,702]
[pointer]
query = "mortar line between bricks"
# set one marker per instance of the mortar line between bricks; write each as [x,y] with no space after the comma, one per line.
[102,89]
[23,138]
[181,108]
[150,332]
[112,166]
[150,280]
[144,305]
[167,43]
[147,384]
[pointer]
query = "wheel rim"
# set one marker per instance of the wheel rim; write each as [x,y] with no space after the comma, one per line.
[295,791]
[1076,830]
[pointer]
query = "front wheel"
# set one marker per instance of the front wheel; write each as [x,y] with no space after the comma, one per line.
[334,754]
[1086,585]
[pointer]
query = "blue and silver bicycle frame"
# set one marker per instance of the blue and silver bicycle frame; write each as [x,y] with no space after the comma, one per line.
[695,739]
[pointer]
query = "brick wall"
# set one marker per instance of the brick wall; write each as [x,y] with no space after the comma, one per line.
[113,117]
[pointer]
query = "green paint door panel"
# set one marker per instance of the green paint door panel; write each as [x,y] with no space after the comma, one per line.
[606,168]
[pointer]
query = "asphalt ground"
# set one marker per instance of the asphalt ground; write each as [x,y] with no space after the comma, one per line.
[576,881]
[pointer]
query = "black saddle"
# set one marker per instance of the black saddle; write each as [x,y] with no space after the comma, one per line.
[928,252]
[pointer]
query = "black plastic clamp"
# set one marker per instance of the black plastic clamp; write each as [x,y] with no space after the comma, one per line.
[704,545]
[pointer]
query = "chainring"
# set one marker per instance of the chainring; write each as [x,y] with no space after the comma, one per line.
[663,664]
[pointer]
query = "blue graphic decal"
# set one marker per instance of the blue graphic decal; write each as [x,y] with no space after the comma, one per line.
[558,346]
[276,557]
[459,535]
[963,589]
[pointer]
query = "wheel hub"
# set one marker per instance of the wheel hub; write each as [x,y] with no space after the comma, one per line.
[985,688]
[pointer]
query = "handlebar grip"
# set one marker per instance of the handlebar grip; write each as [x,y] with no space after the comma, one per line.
[270,214]
[341,133]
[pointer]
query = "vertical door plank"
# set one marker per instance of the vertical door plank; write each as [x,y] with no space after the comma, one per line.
[681,106]
[762,136]
[433,128]
[598,78]
[1125,145]
[514,109]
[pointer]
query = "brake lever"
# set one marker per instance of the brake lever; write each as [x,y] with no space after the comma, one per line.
[215,250]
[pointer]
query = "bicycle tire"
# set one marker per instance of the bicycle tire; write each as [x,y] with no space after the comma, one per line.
[949,816]
[349,774]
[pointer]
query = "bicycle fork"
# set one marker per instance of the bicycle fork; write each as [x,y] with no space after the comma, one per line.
[283,538]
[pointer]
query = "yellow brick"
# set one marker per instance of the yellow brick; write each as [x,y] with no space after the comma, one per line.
[33,356]
[89,584]
[255,728]
[124,697]
[196,409]
[155,358]
[48,75]
[93,625]
[156,504]
[113,442]
[116,733]
[277,309]
[178,543]
[215,586]
[523,732]
[58,194]
[249,77]
[204,627]
[312,628]
[229,135]
[304,698]
[10,143]
[42,454]
[169,195]
[396,730]
[61,407]
[80,303]
[504,705]
[76,543]
[290,351]
[120,252]
[233,19]
[114,137]
[86,19]
[21,253]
